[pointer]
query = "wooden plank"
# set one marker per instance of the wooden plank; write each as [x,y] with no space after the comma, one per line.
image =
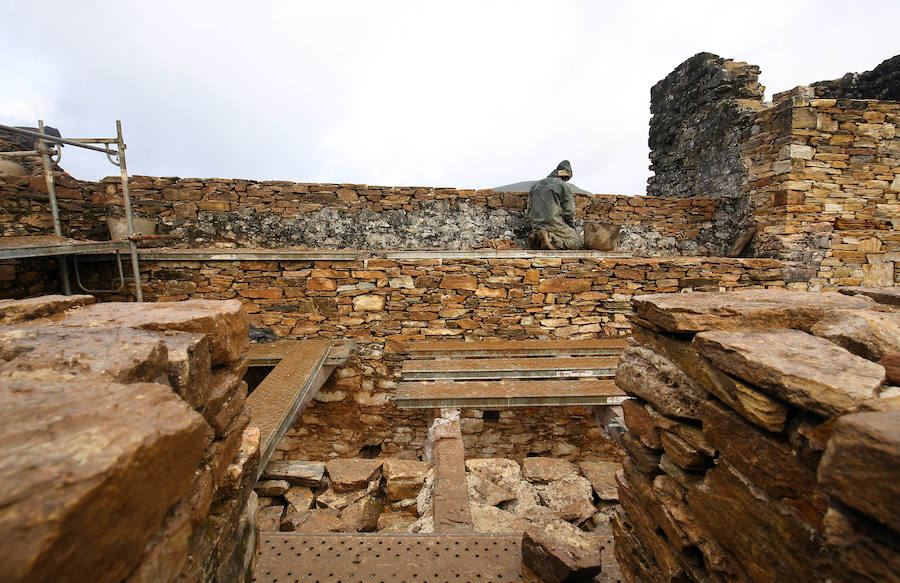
[507,393]
[496,368]
[286,391]
[510,348]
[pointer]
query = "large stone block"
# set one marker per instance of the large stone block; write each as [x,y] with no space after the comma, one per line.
[348,475]
[300,473]
[557,551]
[491,481]
[602,476]
[12,311]
[804,370]
[50,353]
[222,322]
[660,382]
[403,478]
[757,308]
[861,466]
[867,333]
[542,470]
[190,367]
[121,475]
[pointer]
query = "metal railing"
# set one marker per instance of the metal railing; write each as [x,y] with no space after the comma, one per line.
[47,146]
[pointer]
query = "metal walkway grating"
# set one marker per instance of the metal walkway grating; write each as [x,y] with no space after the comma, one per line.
[373,558]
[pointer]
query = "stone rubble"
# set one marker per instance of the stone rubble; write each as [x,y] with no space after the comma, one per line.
[120,400]
[783,465]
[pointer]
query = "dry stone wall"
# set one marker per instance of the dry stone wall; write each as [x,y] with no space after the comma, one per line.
[763,439]
[126,450]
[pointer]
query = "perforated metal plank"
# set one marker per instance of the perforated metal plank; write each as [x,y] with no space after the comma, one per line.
[502,394]
[271,353]
[50,245]
[511,348]
[513,368]
[372,558]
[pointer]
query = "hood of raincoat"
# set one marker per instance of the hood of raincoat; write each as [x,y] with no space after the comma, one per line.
[564,165]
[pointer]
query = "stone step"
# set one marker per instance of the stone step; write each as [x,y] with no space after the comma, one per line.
[500,368]
[513,348]
[507,393]
[302,557]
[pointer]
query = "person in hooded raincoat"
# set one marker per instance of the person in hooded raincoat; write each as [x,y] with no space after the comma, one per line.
[551,211]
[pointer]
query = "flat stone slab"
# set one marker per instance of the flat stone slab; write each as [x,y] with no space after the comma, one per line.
[558,551]
[882,295]
[602,476]
[299,473]
[222,322]
[12,311]
[755,308]
[542,470]
[859,467]
[353,474]
[804,370]
[867,333]
[403,478]
[82,490]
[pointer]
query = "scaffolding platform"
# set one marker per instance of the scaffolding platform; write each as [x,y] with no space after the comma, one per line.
[506,393]
[521,348]
[54,246]
[511,368]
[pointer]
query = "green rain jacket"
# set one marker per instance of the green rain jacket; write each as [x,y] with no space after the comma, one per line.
[551,204]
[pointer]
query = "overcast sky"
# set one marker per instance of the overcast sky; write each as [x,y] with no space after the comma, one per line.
[461,94]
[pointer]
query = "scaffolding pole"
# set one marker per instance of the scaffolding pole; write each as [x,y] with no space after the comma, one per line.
[54,207]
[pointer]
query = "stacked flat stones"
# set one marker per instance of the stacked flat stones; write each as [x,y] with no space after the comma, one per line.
[763,439]
[126,452]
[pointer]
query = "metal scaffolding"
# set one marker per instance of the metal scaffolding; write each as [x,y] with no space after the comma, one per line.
[47,146]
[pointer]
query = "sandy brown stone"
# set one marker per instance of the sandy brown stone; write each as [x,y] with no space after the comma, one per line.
[748,401]
[190,368]
[362,515]
[860,551]
[859,467]
[222,451]
[300,498]
[883,295]
[571,497]
[240,474]
[657,380]
[338,500]
[754,308]
[763,535]
[541,470]
[222,322]
[300,473]
[689,431]
[134,471]
[683,453]
[636,563]
[271,488]
[557,551]
[490,519]
[491,481]
[227,396]
[12,311]
[317,520]
[804,370]
[684,478]
[866,333]
[602,476]
[395,522]
[646,459]
[638,421]
[891,364]
[348,475]
[403,478]
[269,518]
[50,353]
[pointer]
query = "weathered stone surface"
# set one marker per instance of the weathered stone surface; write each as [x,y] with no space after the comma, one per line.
[542,470]
[804,370]
[571,497]
[751,403]
[646,459]
[299,473]
[891,364]
[492,480]
[190,368]
[403,478]
[638,421]
[300,498]
[134,471]
[689,431]
[272,487]
[227,396]
[240,474]
[602,476]
[490,519]
[222,322]
[557,551]
[764,536]
[525,501]
[866,333]
[317,520]
[12,311]
[660,382]
[860,466]
[683,453]
[768,461]
[347,475]
[268,519]
[338,500]
[860,551]
[50,353]
[883,295]
[755,308]
[362,515]
[684,478]
[636,563]
[395,522]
